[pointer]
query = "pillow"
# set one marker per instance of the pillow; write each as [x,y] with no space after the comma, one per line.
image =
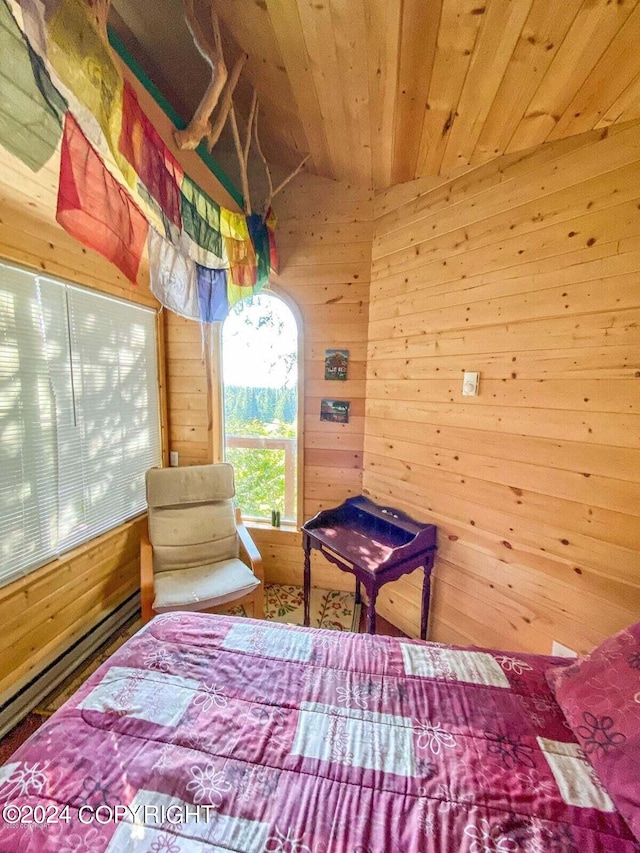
[600,697]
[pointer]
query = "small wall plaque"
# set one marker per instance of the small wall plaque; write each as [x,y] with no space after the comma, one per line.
[334,410]
[335,364]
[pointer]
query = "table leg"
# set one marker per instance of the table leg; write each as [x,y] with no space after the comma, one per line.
[307,580]
[358,593]
[426,595]
[371,611]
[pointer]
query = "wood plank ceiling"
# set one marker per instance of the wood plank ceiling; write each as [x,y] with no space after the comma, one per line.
[384,91]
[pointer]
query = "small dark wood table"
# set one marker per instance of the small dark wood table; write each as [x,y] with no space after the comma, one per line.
[375,543]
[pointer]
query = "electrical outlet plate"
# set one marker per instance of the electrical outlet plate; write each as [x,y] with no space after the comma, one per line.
[470,380]
[173,459]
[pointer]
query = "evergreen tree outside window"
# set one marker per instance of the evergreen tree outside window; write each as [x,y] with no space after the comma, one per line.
[260,398]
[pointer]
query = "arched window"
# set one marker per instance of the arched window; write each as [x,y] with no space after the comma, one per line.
[260,398]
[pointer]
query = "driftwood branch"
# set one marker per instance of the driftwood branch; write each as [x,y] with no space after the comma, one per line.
[272,191]
[220,91]
[263,158]
[210,46]
[290,177]
[216,128]
[252,114]
[242,150]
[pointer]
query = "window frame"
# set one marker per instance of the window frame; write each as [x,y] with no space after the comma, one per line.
[149,305]
[217,413]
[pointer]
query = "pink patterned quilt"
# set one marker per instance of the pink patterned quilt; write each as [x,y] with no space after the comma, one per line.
[209,734]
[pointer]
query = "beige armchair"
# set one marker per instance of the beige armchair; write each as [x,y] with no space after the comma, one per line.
[195,553]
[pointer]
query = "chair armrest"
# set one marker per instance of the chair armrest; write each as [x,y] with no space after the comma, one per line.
[249,547]
[147,593]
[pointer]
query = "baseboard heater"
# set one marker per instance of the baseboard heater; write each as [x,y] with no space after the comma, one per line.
[29,696]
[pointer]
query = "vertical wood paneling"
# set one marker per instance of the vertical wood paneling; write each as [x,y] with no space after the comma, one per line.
[457,35]
[501,28]
[383,39]
[594,28]
[189,428]
[526,270]
[544,31]
[287,28]
[416,58]
[611,75]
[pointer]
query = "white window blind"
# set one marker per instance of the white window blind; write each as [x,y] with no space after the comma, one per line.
[79,422]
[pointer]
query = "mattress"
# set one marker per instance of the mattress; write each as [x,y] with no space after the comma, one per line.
[208,733]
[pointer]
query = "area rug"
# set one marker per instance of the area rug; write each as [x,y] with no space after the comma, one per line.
[330,609]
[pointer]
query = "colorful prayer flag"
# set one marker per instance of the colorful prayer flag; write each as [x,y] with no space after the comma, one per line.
[82,61]
[155,165]
[120,186]
[173,277]
[240,253]
[94,208]
[201,221]
[212,294]
[31,111]
[260,238]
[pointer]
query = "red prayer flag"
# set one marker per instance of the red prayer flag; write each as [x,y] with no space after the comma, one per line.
[94,208]
[155,165]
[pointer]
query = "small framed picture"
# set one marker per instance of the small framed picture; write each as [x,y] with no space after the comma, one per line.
[335,364]
[336,411]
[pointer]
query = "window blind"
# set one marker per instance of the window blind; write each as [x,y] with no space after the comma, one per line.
[79,416]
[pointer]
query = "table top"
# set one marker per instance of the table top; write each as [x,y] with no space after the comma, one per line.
[371,537]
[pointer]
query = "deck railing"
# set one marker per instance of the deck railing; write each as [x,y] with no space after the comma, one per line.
[289,445]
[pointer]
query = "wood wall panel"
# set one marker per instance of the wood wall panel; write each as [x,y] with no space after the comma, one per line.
[527,270]
[190,429]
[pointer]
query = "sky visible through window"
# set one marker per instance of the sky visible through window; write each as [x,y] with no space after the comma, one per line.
[259,344]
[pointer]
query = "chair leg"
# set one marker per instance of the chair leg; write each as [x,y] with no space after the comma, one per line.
[258,602]
[147,593]
[147,608]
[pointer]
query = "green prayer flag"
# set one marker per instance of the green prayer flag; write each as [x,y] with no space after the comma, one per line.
[200,217]
[31,108]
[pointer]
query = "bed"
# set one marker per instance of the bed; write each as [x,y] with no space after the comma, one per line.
[210,733]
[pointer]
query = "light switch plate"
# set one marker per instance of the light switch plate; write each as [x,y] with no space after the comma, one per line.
[470,381]
[173,459]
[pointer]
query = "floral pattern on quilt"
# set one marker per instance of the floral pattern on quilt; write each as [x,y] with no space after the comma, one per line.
[284,740]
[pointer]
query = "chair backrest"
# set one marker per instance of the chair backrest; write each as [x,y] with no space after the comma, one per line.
[191,516]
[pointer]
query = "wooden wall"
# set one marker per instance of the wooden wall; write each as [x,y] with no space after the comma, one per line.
[48,610]
[527,270]
[324,241]
[190,426]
